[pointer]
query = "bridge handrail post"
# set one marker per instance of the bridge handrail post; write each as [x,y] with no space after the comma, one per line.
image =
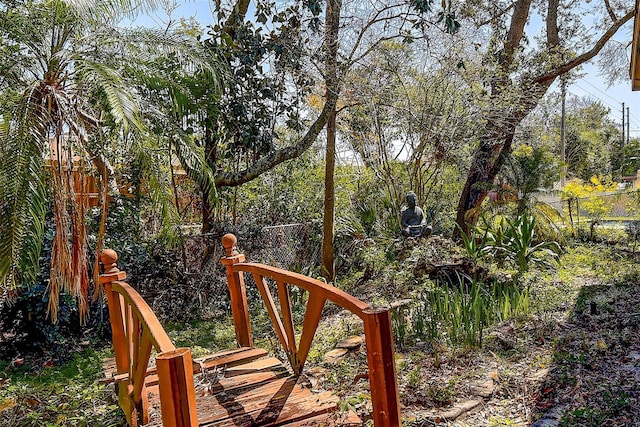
[382,367]
[237,291]
[176,387]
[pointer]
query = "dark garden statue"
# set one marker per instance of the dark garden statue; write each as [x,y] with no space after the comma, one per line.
[414,224]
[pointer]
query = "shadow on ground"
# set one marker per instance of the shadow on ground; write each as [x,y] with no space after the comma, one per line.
[594,377]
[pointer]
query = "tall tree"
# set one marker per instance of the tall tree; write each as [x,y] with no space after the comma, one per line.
[519,67]
[406,106]
[266,89]
[364,31]
[593,141]
[332,85]
[66,87]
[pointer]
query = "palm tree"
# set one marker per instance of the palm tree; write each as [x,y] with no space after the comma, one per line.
[65,86]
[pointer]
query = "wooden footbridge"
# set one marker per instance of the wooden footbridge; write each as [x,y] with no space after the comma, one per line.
[160,385]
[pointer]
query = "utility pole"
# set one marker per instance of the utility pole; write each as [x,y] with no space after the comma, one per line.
[628,125]
[623,129]
[563,132]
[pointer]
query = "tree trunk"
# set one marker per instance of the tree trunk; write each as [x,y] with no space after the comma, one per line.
[485,166]
[332,22]
[211,157]
[502,120]
[328,229]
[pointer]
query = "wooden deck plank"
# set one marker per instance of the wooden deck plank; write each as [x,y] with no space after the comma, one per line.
[234,385]
[258,393]
[237,380]
[272,412]
[226,358]
[254,366]
[265,408]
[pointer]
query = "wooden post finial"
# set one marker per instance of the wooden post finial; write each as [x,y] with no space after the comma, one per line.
[111,273]
[229,242]
[108,257]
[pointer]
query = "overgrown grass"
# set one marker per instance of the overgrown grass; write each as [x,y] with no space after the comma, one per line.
[203,336]
[68,395]
[458,314]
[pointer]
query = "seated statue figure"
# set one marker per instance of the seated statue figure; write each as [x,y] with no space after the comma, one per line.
[414,224]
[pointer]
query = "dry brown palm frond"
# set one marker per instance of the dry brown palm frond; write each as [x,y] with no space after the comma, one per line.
[104,203]
[80,284]
[61,272]
[69,270]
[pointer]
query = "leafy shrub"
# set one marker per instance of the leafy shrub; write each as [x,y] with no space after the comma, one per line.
[25,325]
[64,395]
[511,241]
[459,314]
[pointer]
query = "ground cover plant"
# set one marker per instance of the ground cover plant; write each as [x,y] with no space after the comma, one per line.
[36,393]
[558,344]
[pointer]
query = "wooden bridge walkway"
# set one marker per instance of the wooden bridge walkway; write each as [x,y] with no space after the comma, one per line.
[160,385]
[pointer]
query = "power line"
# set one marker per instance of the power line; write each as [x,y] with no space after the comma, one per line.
[635,121]
[596,96]
[635,118]
[611,97]
[601,91]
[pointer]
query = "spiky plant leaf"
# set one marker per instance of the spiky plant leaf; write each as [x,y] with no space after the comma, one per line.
[22,206]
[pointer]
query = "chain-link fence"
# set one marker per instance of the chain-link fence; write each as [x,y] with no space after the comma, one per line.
[294,247]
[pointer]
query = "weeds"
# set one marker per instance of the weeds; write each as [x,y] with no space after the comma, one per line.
[460,313]
[511,241]
[442,394]
[61,396]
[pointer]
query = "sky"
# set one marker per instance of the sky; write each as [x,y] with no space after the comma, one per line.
[592,85]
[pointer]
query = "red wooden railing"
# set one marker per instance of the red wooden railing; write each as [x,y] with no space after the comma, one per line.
[136,331]
[377,324]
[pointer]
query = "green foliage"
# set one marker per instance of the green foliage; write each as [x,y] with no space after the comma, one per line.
[203,336]
[31,330]
[527,170]
[633,231]
[289,193]
[459,314]
[613,403]
[474,247]
[73,78]
[511,241]
[630,158]
[442,394]
[414,377]
[514,240]
[63,395]
[591,139]
[28,324]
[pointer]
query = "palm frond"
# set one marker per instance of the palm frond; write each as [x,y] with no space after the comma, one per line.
[22,206]
[159,190]
[150,45]
[192,159]
[114,8]
[123,107]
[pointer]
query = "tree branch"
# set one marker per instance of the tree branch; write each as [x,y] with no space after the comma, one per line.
[610,11]
[364,29]
[553,39]
[494,17]
[516,31]
[238,15]
[232,179]
[584,57]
